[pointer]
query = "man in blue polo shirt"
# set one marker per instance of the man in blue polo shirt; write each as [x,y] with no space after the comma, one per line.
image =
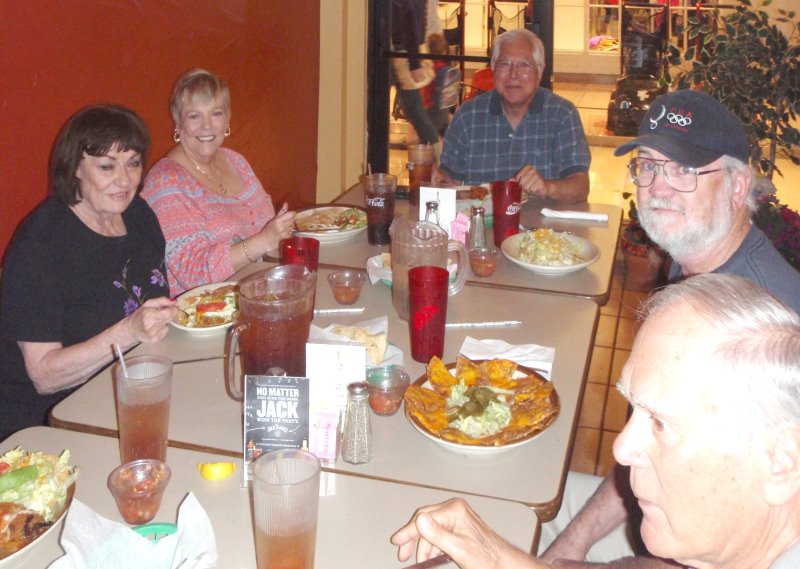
[519,130]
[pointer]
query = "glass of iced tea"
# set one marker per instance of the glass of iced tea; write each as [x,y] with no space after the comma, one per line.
[143,390]
[285,507]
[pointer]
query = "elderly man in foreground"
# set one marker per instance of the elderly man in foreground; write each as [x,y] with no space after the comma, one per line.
[713,443]
[519,130]
[696,197]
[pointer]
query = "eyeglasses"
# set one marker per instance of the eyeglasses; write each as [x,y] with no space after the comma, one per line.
[523,68]
[680,178]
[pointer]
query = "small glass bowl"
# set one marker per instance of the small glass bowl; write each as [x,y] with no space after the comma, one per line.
[346,285]
[138,487]
[483,261]
[387,385]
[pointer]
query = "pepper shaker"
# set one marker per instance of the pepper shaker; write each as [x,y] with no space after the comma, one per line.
[357,435]
[477,229]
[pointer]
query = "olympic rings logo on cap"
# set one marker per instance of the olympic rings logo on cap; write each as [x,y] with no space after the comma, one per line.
[680,120]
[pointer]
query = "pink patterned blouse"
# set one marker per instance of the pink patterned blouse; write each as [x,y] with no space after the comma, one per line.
[200,226]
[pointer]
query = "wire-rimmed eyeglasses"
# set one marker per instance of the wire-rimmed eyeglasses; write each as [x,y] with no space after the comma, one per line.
[680,178]
[523,68]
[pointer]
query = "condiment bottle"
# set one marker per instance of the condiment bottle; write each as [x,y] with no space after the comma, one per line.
[432,212]
[477,229]
[357,435]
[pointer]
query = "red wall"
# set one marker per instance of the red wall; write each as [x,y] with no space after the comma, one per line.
[57,56]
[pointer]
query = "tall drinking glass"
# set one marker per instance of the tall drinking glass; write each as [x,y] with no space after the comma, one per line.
[506,208]
[379,194]
[285,509]
[427,306]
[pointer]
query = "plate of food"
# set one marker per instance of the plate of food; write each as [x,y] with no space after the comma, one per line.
[208,308]
[550,253]
[36,490]
[481,408]
[330,224]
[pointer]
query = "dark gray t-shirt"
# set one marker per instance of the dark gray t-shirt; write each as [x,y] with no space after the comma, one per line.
[758,260]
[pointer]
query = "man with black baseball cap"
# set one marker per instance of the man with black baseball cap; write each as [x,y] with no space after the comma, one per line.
[695,194]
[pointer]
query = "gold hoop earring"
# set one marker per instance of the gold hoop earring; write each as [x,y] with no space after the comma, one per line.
[176,136]
[228,130]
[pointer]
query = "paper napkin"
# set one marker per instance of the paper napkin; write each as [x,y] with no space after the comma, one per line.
[533,356]
[94,542]
[584,215]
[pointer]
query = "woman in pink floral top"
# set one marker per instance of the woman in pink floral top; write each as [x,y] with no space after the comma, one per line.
[215,214]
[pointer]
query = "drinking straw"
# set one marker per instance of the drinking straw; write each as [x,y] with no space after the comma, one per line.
[121,360]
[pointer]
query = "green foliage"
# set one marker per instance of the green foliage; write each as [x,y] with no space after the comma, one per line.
[746,62]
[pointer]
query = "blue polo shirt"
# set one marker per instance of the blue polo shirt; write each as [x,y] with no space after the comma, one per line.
[480,145]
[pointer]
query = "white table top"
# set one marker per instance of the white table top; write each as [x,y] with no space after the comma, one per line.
[202,417]
[351,531]
[593,282]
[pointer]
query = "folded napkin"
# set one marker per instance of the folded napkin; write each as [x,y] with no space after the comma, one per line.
[564,214]
[533,356]
[94,542]
[377,272]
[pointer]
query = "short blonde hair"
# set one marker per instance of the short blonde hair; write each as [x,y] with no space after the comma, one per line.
[198,83]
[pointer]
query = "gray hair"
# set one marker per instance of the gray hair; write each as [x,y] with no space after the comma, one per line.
[759,340]
[198,83]
[537,47]
[758,183]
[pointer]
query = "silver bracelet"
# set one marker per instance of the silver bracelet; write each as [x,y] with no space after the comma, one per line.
[247,253]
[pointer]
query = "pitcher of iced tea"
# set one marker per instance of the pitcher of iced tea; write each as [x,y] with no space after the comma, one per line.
[276,307]
[420,243]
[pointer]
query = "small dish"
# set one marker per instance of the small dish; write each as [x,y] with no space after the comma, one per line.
[483,261]
[346,285]
[387,386]
[138,487]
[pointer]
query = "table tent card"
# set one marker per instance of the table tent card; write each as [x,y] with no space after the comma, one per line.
[447,205]
[275,416]
[330,366]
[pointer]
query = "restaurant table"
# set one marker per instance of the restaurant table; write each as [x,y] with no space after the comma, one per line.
[202,417]
[356,515]
[593,282]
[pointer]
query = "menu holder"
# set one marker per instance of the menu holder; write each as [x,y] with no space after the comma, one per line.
[276,416]
[331,366]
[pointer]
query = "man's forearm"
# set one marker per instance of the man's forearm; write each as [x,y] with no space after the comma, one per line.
[569,190]
[624,563]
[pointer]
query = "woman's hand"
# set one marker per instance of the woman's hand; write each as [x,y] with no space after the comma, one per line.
[454,528]
[277,228]
[149,323]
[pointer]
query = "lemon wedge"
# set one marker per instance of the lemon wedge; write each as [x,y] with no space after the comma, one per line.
[216,470]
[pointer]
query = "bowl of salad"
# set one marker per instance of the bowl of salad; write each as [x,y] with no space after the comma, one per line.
[550,253]
[36,490]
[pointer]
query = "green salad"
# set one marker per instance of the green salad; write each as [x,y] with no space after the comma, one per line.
[36,480]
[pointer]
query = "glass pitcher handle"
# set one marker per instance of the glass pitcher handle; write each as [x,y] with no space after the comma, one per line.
[462,264]
[232,383]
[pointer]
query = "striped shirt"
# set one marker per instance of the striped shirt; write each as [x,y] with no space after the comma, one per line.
[199,225]
[480,145]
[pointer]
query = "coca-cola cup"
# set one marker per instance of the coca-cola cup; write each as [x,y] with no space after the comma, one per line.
[506,207]
[379,195]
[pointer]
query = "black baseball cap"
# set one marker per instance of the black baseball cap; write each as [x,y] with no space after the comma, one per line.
[692,128]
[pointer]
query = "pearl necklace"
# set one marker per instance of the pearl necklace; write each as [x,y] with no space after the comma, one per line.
[222,189]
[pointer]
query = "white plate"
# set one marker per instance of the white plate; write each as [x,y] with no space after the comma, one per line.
[194,292]
[587,251]
[477,450]
[330,235]
[17,558]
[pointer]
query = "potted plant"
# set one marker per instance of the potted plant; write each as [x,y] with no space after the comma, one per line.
[781,224]
[644,260]
[747,61]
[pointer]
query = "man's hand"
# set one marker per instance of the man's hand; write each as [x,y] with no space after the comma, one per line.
[454,528]
[532,182]
[439,176]
[572,189]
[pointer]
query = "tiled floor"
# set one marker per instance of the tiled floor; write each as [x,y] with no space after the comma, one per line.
[604,411]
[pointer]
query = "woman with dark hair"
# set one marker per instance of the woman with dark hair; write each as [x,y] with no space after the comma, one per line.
[85,269]
[215,214]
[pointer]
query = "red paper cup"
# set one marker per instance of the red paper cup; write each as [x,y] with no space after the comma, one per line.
[300,251]
[506,207]
[427,307]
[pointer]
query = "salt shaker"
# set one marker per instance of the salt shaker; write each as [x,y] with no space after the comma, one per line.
[432,212]
[477,229]
[357,435]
